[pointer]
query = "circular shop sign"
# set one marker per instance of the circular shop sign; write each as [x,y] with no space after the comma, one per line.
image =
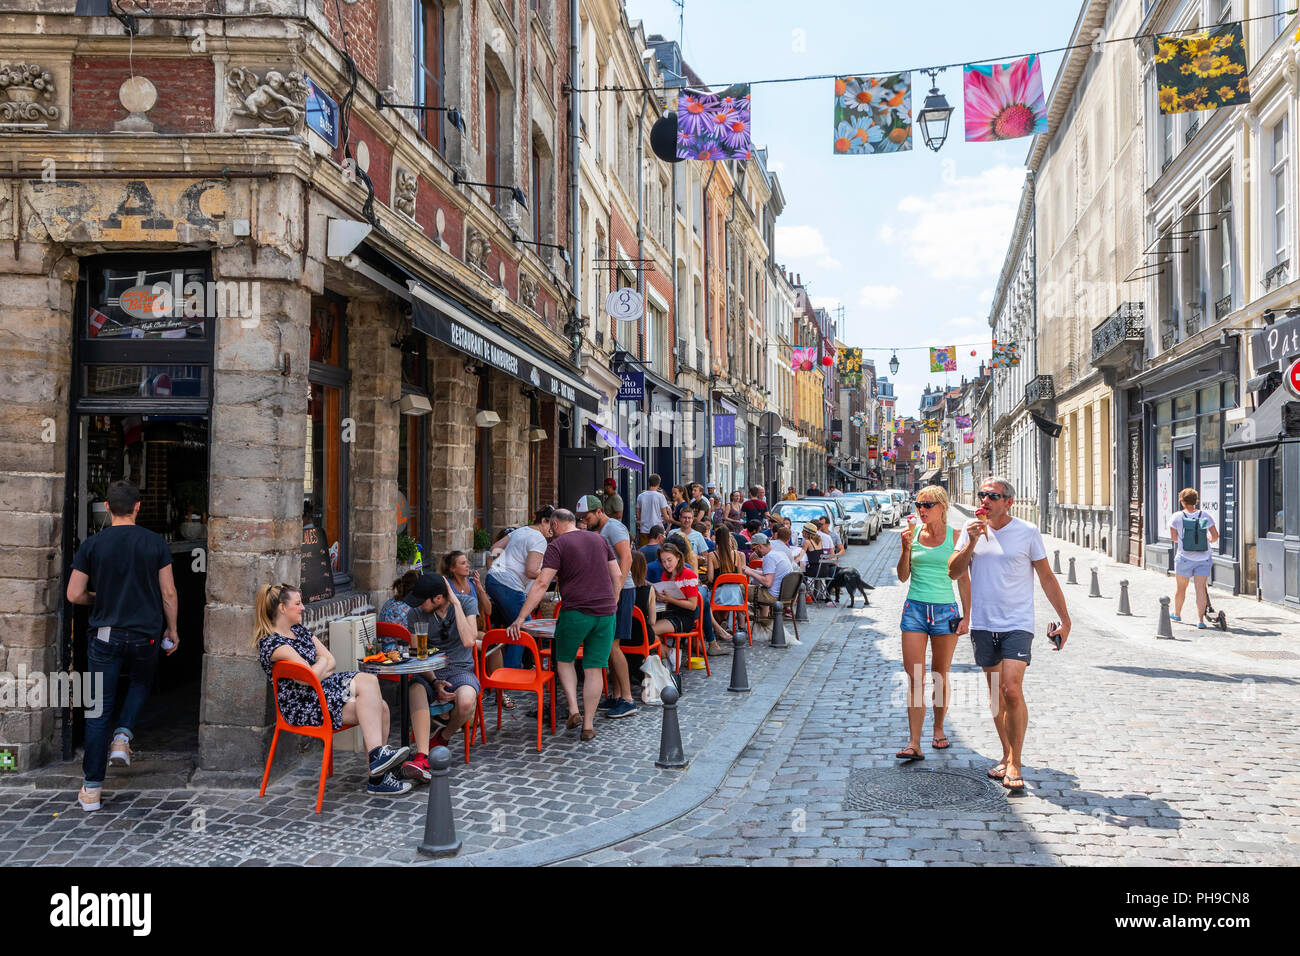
[626,305]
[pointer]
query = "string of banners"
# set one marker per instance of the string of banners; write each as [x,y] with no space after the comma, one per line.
[872,113]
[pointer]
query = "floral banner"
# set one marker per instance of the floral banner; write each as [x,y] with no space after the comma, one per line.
[802,360]
[1202,72]
[930,426]
[943,360]
[849,366]
[1005,100]
[963,421]
[713,126]
[873,114]
[1005,354]
[929,458]
[898,441]
[968,437]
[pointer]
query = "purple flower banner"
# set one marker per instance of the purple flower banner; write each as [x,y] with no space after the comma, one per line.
[713,126]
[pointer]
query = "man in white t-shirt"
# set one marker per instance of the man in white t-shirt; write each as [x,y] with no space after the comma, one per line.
[776,565]
[651,509]
[512,573]
[1003,554]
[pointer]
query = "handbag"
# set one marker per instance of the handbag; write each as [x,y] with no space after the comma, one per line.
[656,678]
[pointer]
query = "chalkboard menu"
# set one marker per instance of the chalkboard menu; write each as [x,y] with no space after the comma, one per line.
[317,576]
[1228,526]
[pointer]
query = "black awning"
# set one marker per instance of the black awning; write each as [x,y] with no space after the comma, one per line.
[453,324]
[1276,421]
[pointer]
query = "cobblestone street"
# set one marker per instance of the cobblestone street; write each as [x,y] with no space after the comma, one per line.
[1138,752]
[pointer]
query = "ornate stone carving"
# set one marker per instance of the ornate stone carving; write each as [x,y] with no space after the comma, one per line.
[25,86]
[276,99]
[408,184]
[528,292]
[477,249]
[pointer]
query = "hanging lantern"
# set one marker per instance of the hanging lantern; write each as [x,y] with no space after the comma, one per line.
[934,116]
[828,360]
[893,364]
[973,353]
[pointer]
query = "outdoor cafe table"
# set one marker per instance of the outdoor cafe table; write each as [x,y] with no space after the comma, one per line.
[414,665]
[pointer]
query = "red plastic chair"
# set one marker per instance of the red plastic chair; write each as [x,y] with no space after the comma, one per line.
[532,679]
[292,670]
[732,609]
[646,647]
[693,638]
[396,632]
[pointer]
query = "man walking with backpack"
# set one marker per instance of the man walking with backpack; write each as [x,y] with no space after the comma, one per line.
[1193,531]
[133,606]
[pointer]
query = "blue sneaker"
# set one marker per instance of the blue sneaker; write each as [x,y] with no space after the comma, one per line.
[387,786]
[606,703]
[621,708]
[385,758]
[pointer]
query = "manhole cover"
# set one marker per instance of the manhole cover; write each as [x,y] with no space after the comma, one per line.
[1270,655]
[916,788]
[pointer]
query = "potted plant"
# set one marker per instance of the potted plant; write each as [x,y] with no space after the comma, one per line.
[482,544]
[407,550]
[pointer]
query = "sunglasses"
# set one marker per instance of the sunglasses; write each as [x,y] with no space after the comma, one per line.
[926,504]
[991,495]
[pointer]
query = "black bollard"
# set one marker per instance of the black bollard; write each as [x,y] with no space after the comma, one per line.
[1124,609]
[778,626]
[1165,630]
[1095,590]
[671,755]
[1056,561]
[439,827]
[739,676]
[1070,578]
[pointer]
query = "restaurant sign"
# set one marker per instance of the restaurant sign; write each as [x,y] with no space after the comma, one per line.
[632,388]
[514,359]
[1276,343]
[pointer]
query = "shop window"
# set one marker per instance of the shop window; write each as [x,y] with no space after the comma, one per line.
[149,381]
[158,298]
[1164,445]
[325,466]
[1289,482]
[1274,509]
[1210,437]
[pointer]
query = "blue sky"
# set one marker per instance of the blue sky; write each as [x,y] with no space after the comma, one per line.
[910,243]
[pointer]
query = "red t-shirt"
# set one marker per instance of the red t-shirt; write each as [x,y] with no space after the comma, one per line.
[688,581]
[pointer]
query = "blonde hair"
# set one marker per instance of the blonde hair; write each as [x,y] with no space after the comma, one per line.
[1189,496]
[935,493]
[270,598]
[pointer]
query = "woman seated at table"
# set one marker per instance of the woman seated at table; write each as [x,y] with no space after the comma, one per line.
[644,597]
[351,698]
[679,613]
[735,515]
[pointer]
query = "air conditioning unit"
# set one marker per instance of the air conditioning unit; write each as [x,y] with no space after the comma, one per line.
[348,637]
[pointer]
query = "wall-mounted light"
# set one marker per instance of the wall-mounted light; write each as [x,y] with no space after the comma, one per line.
[515,191]
[453,114]
[413,405]
[486,418]
[537,434]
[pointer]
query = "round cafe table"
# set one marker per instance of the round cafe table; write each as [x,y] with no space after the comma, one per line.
[434,662]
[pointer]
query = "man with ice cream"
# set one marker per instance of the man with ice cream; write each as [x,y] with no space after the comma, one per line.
[1003,554]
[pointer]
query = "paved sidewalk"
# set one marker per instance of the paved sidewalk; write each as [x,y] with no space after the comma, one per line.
[1137,753]
[512,804]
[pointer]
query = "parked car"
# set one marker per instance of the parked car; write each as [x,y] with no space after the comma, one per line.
[864,517]
[809,509]
[904,501]
[889,515]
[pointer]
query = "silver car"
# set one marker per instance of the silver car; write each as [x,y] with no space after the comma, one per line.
[888,508]
[864,516]
[809,509]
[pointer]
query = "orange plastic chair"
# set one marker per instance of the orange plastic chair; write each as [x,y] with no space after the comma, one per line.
[532,679]
[732,609]
[292,670]
[396,632]
[646,647]
[693,638]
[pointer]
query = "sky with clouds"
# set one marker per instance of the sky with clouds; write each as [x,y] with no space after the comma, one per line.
[910,243]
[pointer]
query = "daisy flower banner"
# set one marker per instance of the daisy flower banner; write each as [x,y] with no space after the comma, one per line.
[1005,100]
[1202,72]
[873,114]
[713,126]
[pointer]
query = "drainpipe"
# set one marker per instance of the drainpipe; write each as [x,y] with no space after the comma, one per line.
[726,282]
[708,317]
[575,227]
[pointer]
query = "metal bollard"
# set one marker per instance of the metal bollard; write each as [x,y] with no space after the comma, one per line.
[739,676]
[671,755]
[1070,578]
[778,626]
[1095,591]
[1124,609]
[439,827]
[1056,561]
[1165,632]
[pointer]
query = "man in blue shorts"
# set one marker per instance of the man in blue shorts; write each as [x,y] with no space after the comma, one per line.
[1003,554]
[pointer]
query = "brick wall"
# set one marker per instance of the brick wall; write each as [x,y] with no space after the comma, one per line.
[361,21]
[452,436]
[185,92]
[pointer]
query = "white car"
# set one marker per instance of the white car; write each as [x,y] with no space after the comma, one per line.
[864,516]
[889,515]
[903,499]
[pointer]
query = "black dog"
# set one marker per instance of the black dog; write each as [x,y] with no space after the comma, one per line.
[848,579]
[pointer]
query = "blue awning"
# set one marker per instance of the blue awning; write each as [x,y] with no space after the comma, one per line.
[627,458]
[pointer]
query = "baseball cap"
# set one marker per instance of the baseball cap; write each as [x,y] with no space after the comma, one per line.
[429,585]
[611,483]
[759,538]
[587,503]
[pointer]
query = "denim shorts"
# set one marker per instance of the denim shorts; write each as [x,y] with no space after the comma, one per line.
[932,619]
[1199,568]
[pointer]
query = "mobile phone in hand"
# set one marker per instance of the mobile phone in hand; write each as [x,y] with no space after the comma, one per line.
[1055,639]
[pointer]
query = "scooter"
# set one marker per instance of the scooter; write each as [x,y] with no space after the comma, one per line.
[1219,620]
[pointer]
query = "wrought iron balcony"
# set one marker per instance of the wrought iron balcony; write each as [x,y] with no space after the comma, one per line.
[1192,321]
[1223,307]
[1277,274]
[1039,392]
[1192,127]
[1118,340]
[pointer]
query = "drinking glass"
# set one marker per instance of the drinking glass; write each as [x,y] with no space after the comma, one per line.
[420,631]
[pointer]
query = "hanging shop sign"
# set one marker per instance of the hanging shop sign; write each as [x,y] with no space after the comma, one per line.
[1276,343]
[632,388]
[626,305]
[724,431]
[322,113]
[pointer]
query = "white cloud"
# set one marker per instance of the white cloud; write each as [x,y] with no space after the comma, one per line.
[963,322]
[961,231]
[886,233]
[804,242]
[828,302]
[879,296]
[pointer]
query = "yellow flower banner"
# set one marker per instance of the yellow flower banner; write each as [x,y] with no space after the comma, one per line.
[1202,72]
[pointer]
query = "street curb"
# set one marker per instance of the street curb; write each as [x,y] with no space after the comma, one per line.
[697,784]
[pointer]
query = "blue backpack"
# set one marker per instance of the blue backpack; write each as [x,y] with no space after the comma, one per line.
[1195,535]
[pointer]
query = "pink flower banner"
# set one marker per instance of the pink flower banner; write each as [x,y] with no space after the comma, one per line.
[1005,100]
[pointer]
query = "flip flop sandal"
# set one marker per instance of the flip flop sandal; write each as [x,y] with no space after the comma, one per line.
[907,753]
[1014,784]
[998,772]
[934,743]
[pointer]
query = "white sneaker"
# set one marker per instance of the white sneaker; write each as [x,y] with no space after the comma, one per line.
[120,755]
[89,799]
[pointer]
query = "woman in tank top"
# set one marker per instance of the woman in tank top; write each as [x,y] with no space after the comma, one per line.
[930,613]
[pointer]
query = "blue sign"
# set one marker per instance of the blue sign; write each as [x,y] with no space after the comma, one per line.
[724,430]
[633,387]
[322,114]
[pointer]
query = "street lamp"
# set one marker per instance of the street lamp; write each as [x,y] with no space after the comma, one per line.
[893,364]
[935,114]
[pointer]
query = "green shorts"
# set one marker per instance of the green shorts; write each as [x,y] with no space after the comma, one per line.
[593,633]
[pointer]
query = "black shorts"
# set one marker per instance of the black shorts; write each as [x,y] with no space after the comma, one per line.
[682,619]
[993,647]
